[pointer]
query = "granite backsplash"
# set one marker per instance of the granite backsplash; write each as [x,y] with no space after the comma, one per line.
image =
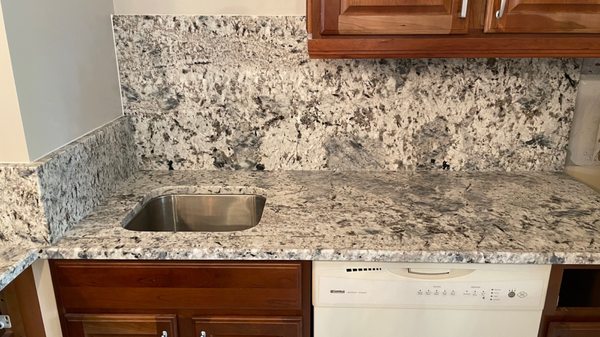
[241,92]
[41,200]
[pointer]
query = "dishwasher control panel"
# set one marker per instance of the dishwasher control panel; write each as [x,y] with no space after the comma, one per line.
[513,289]
[353,292]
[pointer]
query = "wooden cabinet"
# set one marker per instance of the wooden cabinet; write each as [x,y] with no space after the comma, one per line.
[110,298]
[248,327]
[574,330]
[92,325]
[453,28]
[19,301]
[388,17]
[572,306]
[543,16]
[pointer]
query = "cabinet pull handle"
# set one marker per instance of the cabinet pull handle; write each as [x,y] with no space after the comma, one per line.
[500,12]
[463,9]
[164,334]
[202,334]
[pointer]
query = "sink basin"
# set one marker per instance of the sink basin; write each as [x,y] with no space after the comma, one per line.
[198,213]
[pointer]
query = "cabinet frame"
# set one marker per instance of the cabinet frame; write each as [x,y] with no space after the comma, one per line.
[552,313]
[474,44]
[277,289]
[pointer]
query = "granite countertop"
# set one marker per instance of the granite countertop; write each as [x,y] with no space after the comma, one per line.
[493,217]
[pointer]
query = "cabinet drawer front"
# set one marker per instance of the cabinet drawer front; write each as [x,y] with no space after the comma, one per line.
[183,286]
[120,325]
[574,329]
[248,326]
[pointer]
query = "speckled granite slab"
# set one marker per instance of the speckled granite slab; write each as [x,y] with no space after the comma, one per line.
[371,216]
[16,258]
[21,212]
[234,92]
[78,177]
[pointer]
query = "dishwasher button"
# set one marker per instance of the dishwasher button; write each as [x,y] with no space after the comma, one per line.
[522,294]
[511,294]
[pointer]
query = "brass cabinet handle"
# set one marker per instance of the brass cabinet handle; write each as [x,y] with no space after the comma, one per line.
[500,12]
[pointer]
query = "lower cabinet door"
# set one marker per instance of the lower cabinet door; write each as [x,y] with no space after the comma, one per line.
[93,325]
[574,329]
[248,326]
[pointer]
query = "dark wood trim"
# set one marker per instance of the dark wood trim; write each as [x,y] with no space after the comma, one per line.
[330,11]
[456,46]
[20,301]
[553,313]
[307,308]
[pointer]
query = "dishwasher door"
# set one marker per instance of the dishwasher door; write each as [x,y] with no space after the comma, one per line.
[357,299]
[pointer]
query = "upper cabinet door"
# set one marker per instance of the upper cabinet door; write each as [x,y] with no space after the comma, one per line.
[543,16]
[393,17]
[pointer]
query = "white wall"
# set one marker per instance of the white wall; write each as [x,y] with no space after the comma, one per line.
[65,68]
[207,7]
[13,147]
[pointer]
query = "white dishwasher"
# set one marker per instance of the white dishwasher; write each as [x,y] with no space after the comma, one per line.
[371,299]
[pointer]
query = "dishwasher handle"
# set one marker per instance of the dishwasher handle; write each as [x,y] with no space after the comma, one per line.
[430,273]
[435,272]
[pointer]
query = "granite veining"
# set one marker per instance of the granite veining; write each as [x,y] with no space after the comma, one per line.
[484,217]
[237,92]
[22,216]
[76,178]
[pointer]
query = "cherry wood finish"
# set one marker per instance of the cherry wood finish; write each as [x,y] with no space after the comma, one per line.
[572,307]
[187,290]
[121,325]
[388,17]
[574,330]
[544,16]
[248,326]
[326,41]
[19,300]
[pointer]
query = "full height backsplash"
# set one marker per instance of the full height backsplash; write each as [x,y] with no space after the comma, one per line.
[241,93]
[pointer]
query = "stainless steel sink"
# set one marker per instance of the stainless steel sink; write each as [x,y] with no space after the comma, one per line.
[198,213]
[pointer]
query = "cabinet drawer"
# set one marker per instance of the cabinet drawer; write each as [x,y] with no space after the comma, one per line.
[121,325]
[574,329]
[215,287]
[248,326]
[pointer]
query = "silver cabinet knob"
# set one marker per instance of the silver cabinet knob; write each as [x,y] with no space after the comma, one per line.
[164,334]
[202,333]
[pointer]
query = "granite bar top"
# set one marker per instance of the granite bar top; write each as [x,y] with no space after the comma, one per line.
[454,217]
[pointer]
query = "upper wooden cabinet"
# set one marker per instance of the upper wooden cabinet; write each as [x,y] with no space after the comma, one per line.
[543,16]
[387,17]
[453,28]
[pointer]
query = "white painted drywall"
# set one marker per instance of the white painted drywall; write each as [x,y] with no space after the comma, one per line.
[65,68]
[13,146]
[207,7]
[584,143]
[45,292]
